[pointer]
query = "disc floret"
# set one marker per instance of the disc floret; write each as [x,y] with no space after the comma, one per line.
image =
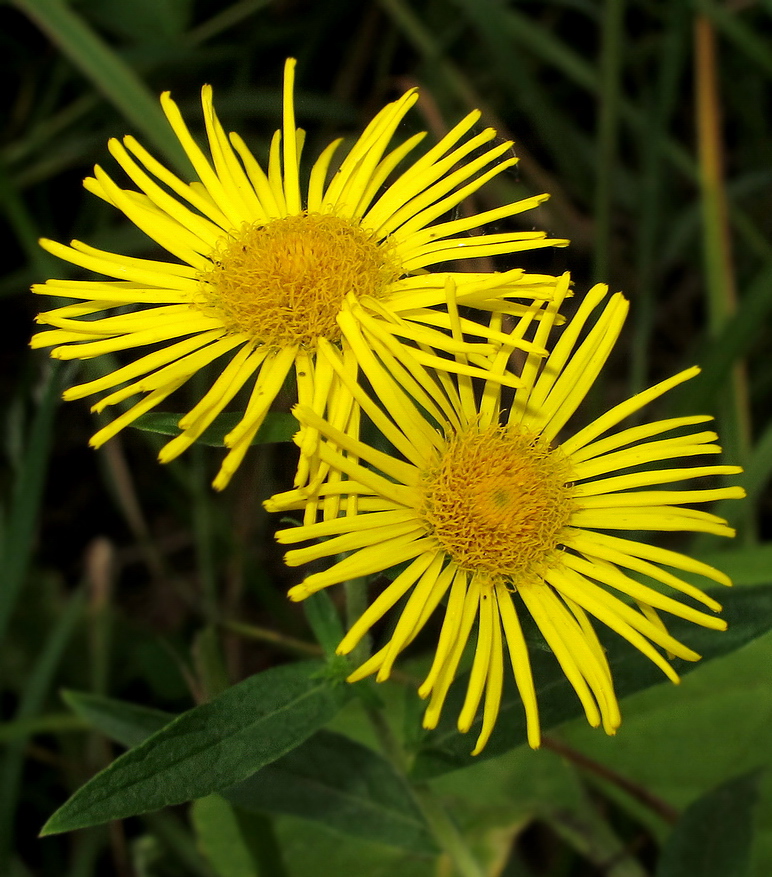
[284,282]
[497,501]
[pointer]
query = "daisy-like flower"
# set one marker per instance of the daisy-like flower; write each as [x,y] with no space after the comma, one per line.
[261,271]
[494,510]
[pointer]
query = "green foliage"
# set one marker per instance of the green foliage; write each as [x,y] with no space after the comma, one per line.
[208,748]
[230,838]
[664,728]
[324,621]
[748,612]
[162,21]
[126,723]
[277,427]
[124,583]
[343,785]
[328,778]
[22,510]
[714,836]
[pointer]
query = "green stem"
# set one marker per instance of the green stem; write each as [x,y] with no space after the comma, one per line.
[387,739]
[356,603]
[264,634]
[446,833]
[442,827]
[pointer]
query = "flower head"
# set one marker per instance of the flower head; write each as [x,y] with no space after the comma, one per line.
[494,509]
[263,272]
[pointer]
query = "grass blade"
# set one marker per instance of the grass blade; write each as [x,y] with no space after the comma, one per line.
[107,72]
[22,515]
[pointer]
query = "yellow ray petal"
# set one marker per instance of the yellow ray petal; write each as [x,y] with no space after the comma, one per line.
[447,671]
[199,418]
[203,228]
[373,558]
[521,663]
[141,366]
[631,550]
[451,625]
[631,480]
[205,205]
[665,518]
[636,434]
[624,409]
[481,662]
[160,274]
[493,685]
[605,606]
[545,610]
[388,598]
[647,452]
[289,141]
[605,572]
[203,168]
[427,593]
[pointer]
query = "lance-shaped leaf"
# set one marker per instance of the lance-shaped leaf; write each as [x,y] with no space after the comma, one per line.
[343,784]
[126,723]
[748,611]
[277,427]
[329,778]
[209,747]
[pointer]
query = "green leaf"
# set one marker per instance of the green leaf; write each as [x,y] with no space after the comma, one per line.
[747,611]
[745,565]
[311,850]
[713,837]
[126,723]
[277,427]
[680,741]
[324,620]
[227,838]
[209,747]
[329,778]
[344,785]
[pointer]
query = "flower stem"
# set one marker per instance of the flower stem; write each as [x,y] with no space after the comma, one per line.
[266,635]
[356,603]
[442,827]
[448,837]
[446,833]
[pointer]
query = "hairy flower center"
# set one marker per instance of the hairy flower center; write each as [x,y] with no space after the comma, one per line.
[497,501]
[283,283]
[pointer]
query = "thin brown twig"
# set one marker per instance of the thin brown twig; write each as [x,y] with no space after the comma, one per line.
[641,794]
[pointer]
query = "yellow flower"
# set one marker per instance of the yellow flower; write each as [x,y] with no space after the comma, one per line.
[263,272]
[491,504]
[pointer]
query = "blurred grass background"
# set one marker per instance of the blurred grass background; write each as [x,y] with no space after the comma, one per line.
[646,120]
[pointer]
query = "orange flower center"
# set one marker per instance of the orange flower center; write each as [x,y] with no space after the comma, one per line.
[498,500]
[283,283]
